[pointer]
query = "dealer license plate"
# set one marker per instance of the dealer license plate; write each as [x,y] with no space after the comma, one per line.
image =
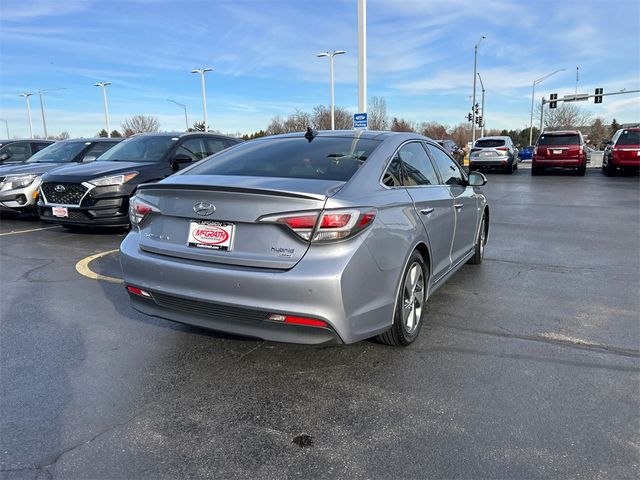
[211,234]
[62,212]
[487,154]
[557,152]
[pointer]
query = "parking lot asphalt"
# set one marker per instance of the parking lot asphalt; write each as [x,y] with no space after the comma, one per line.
[528,365]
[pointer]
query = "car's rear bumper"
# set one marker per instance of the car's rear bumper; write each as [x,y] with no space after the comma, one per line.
[559,163]
[626,163]
[320,286]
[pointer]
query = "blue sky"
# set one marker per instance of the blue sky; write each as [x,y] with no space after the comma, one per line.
[264,55]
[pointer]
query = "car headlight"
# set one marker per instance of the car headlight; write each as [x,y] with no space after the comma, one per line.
[12,182]
[113,179]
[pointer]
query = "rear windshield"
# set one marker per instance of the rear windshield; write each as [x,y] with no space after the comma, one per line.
[490,143]
[629,137]
[61,152]
[139,149]
[568,139]
[324,158]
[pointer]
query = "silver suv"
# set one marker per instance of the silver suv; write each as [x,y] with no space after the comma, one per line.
[495,153]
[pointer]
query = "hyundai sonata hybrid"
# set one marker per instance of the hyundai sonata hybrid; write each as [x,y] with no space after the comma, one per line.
[313,237]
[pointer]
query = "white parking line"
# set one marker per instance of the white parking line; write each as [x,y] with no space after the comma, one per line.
[82,267]
[14,232]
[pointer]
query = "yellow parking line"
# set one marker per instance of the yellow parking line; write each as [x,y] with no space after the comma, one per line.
[26,231]
[82,267]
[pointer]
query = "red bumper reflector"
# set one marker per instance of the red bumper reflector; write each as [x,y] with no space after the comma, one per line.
[137,291]
[311,322]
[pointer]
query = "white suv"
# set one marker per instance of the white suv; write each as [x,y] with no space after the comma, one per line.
[494,152]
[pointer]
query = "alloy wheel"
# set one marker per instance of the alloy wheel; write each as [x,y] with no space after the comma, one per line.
[413,298]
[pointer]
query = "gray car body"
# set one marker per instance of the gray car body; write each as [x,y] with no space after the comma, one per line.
[351,284]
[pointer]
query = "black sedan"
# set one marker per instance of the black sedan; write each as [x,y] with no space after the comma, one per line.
[97,194]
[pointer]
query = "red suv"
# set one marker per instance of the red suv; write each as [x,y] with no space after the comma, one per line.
[622,152]
[564,149]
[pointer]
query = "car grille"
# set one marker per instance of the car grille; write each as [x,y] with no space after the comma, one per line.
[212,310]
[72,194]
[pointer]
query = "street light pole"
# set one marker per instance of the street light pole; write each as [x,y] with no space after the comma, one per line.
[483,116]
[184,107]
[533,92]
[362,56]
[6,124]
[331,55]
[202,71]
[473,105]
[26,95]
[106,107]
[44,121]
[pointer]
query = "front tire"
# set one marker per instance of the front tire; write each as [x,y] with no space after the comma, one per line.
[410,304]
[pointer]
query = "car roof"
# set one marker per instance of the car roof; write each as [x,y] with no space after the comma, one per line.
[635,129]
[495,137]
[90,139]
[562,132]
[183,134]
[3,142]
[364,134]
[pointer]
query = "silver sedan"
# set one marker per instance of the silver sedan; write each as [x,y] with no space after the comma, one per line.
[309,238]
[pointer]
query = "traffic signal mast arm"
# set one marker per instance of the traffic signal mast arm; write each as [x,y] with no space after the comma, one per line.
[579,97]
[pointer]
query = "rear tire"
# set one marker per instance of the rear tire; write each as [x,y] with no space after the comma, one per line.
[510,168]
[481,241]
[610,170]
[410,304]
[535,171]
[581,171]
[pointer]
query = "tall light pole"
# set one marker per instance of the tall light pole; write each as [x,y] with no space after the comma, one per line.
[331,55]
[202,71]
[362,56]
[6,124]
[44,121]
[184,107]
[533,92]
[26,96]
[482,107]
[104,85]
[473,105]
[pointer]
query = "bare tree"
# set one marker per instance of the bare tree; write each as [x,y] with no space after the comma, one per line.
[298,121]
[433,130]
[377,114]
[461,134]
[276,126]
[567,115]
[402,125]
[140,124]
[321,118]
[60,136]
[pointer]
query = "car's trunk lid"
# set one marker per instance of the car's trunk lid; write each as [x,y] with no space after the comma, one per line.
[238,204]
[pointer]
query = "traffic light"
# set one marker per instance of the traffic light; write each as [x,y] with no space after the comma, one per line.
[552,97]
[598,97]
[479,120]
[477,108]
[469,117]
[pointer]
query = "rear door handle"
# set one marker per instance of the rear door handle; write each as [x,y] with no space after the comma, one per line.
[458,206]
[426,211]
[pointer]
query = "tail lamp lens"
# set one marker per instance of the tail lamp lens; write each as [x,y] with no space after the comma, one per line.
[139,210]
[326,226]
[138,291]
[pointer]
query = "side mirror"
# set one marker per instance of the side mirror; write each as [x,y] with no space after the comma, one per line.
[477,179]
[88,158]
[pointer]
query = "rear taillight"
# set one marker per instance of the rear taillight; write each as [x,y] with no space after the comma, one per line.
[503,149]
[535,150]
[138,291]
[475,150]
[326,226]
[139,210]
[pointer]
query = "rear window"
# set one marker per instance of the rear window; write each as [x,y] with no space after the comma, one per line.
[568,139]
[324,158]
[629,137]
[490,143]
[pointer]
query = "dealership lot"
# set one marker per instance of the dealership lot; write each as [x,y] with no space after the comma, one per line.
[528,365]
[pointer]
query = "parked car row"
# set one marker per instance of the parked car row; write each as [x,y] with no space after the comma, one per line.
[273,238]
[87,182]
[18,151]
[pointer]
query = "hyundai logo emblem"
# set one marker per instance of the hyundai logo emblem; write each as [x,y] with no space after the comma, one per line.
[59,188]
[204,208]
